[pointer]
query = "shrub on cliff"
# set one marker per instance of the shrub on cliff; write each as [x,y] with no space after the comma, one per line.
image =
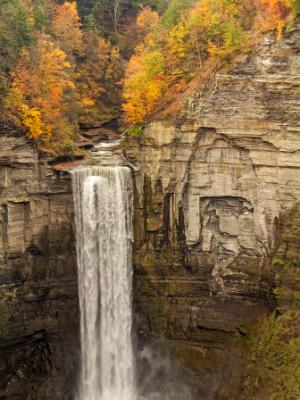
[275,353]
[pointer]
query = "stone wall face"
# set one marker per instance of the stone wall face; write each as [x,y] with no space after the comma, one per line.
[39,345]
[209,192]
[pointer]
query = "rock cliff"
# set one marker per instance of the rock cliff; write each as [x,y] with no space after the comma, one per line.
[38,284]
[216,214]
[209,194]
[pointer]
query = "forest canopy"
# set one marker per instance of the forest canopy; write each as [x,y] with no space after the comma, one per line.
[66,64]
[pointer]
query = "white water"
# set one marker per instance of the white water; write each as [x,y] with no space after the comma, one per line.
[103,215]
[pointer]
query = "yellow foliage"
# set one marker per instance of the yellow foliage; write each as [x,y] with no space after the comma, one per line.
[67,27]
[144,84]
[177,40]
[39,84]
[212,27]
[32,119]
[87,102]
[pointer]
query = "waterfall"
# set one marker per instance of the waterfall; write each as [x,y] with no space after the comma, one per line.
[103,216]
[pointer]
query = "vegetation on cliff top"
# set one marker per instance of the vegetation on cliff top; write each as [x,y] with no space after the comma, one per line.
[65,63]
[188,46]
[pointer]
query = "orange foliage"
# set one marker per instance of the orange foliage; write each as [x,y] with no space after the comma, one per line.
[147,19]
[67,27]
[39,83]
[277,7]
[275,15]
[218,30]
[145,80]
[172,57]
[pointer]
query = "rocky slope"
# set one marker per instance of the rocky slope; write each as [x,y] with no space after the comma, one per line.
[209,192]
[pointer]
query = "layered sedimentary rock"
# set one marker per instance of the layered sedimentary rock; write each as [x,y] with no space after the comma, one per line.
[209,192]
[39,310]
[216,216]
[38,284]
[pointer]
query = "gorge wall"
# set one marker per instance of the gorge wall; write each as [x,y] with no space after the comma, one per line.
[216,202]
[209,194]
[38,276]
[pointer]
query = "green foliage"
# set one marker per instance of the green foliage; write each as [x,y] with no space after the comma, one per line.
[233,39]
[135,131]
[275,352]
[105,16]
[295,6]
[68,146]
[158,5]
[15,32]
[41,17]
[278,263]
[173,13]
[154,64]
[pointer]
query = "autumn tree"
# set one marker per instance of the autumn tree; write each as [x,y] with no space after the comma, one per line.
[91,75]
[40,84]
[59,67]
[277,14]
[173,13]
[144,84]
[67,28]
[147,20]
[182,42]
[108,16]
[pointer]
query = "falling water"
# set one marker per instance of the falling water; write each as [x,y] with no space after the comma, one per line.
[103,215]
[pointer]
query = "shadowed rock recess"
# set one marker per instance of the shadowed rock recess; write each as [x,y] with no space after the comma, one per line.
[211,194]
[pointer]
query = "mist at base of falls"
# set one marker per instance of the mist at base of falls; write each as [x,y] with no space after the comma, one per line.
[161,377]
